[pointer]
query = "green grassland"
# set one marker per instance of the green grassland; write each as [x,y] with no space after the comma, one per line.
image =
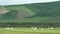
[39,15]
[36,14]
[49,10]
[10,17]
[36,19]
[29,31]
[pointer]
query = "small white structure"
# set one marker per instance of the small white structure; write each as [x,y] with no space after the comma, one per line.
[49,28]
[34,28]
[52,28]
[11,28]
[42,28]
[7,28]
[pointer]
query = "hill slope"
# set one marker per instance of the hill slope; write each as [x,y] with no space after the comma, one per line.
[45,10]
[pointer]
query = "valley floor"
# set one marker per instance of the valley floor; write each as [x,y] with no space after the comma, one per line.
[29,31]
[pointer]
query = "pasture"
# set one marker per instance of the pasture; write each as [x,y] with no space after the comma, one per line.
[29,31]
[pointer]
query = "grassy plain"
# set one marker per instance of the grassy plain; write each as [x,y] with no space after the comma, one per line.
[29,31]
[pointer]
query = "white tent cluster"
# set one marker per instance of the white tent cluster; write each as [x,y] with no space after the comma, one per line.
[9,28]
[35,28]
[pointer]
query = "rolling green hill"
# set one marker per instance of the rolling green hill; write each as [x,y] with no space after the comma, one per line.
[40,9]
[36,13]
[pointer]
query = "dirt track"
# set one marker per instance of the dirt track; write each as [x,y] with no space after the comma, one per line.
[3,10]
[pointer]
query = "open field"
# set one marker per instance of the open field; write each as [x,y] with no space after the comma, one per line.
[37,15]
[36,19]
[29,31]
